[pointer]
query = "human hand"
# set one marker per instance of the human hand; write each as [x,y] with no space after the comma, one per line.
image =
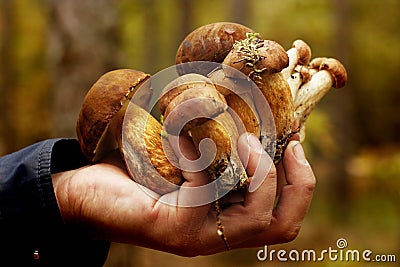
[109,205]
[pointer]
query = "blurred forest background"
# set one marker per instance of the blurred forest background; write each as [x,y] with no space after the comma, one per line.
[52,51]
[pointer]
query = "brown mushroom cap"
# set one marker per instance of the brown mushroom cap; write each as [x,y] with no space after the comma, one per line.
[177,86]
[254,54]
[211,42]
[303,50]
[304,73]
[102,102]
[191,97]
[334,67]
[275,57]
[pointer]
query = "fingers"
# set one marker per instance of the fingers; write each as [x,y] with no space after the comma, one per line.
[253,220]
[255,159]
[297,182]
[295,197]
[187,155]
[193,192]
[281,179]
[259,167]
[252,216]
[281,170]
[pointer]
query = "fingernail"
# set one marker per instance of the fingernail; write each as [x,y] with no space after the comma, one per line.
[299,152]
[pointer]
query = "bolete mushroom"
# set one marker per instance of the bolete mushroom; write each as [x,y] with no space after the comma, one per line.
[211,42]
[213,107]
[102,125]
[208,43]
[262,61]
[102,102]
[239,93]
[192,105]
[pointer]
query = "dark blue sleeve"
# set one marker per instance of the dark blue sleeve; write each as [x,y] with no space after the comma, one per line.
[32,232]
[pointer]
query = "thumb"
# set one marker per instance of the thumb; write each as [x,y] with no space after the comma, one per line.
[296,166]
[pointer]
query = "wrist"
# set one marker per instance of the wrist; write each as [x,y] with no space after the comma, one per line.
[67,204]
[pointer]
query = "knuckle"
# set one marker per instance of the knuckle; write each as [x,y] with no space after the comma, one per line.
[309,187]
[290,232]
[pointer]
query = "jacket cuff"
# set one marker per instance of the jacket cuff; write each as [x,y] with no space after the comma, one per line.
[30,219]
[27,194]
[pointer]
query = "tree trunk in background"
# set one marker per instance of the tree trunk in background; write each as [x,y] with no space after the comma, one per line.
[7,84]
[342,113]
[186,23]
[151,29]
[84,44]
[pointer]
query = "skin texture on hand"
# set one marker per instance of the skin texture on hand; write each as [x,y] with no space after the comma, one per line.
[102,199]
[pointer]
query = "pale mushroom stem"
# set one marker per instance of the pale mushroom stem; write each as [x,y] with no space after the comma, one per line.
[308,96]
[296,73]
[294,81]
[293,60]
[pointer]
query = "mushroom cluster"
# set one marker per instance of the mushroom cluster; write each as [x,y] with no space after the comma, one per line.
[290,82]
[309,80]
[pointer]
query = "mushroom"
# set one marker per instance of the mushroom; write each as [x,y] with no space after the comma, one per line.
[299,54]
[262,61]
[296,72]
[105,98]
[150,161]
[239,95]
[203,102]
[329,72]
[102,127]
[208,43]
[192,105]
[218,107]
